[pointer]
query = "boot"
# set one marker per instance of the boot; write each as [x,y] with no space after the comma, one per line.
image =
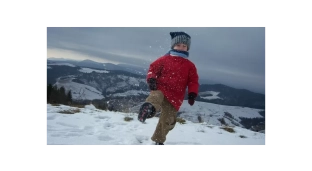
[147,110]
[159,143]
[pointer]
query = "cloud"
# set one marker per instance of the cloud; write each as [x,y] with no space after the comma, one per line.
[69,54]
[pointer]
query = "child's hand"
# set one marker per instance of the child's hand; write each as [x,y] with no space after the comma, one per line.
[191,98]
[152,84]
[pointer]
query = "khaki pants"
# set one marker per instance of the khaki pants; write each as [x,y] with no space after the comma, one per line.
[167,119]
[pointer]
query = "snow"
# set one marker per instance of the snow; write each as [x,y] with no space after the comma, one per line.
[131,80]
[213,93]
[212,112]
[130,93]
[99,127]
[49,67]
[66,64]
[135,81]
[79,91]
[88,70]
[118,86]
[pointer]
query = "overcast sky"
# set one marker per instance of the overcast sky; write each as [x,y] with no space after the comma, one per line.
[232,56]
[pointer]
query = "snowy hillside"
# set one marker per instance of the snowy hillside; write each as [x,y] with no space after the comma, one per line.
[210,113]
[101,66]
[88,70]
[93,126]
[79,91]
[130,93]
[211,95]
[91,90]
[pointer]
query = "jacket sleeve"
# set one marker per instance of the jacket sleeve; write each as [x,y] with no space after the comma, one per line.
[193,84]
[154,70]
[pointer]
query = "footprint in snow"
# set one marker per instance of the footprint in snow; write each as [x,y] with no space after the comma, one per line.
[141,138]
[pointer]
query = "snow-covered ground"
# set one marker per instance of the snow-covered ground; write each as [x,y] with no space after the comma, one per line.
[94,126]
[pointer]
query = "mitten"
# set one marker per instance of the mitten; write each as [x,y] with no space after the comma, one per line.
[152,83]
[191,98]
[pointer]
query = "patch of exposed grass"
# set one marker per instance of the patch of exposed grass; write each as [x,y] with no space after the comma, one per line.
[228,129]
[78,105]
[242,136]
[54,104]
[70,111]
[181,120]
[210,126]
[127,119]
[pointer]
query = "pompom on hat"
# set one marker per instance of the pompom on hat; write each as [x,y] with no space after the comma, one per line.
[180,37]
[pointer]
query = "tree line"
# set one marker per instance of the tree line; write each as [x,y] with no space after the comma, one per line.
[58,95]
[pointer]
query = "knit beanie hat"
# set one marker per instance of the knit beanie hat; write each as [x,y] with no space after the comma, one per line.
[180,37]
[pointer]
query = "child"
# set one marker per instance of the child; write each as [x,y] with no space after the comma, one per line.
[168,77]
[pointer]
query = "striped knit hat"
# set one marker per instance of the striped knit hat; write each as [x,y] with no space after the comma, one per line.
[180,37]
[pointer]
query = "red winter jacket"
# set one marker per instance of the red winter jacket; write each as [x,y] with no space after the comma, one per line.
[173,74]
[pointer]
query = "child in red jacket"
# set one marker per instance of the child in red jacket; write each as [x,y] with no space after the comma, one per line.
[168,77]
